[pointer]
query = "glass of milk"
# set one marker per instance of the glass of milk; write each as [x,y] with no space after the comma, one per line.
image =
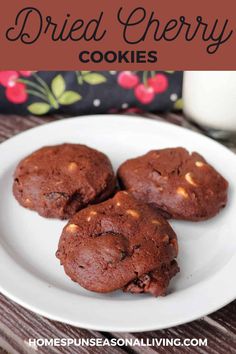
[210,101]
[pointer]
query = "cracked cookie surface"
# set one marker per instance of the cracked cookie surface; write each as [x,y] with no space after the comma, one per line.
[57,181]
[119,244]
[179,184]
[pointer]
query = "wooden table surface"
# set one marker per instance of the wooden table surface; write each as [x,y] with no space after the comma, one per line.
[17,324]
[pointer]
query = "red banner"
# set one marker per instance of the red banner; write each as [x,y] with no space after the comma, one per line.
[117,35]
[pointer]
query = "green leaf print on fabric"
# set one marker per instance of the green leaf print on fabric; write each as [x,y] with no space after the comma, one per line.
[69,97]
[58,86]
[91,78]
[53,95]
[179,104]
[94,79]
[39,108]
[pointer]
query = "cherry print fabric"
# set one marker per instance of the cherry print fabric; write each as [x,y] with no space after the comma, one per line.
[89,92]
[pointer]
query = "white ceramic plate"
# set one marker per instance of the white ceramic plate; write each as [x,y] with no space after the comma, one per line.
[31,275]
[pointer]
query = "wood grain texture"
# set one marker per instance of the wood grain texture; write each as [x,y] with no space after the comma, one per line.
[17,324]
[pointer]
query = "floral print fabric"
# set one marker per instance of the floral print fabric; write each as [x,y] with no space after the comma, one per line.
[89,92]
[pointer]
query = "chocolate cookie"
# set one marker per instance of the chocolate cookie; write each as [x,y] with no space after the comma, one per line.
[57,181]
[119,244]
[179,184]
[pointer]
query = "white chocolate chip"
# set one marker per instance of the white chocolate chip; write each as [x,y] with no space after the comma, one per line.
[72,228]
[92,213]
[28,201]
[199,164]
[190,180]
[166,239]
[133,213]
[182,192]
[118,204]
[156,222]
[72,167]
[156,154]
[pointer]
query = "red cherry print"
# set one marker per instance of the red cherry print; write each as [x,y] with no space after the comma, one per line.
[145,94]
[25,73]
[159,83]
[17,93]
[128,80]
[8,78]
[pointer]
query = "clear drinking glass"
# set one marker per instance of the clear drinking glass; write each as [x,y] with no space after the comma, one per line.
[210,101]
